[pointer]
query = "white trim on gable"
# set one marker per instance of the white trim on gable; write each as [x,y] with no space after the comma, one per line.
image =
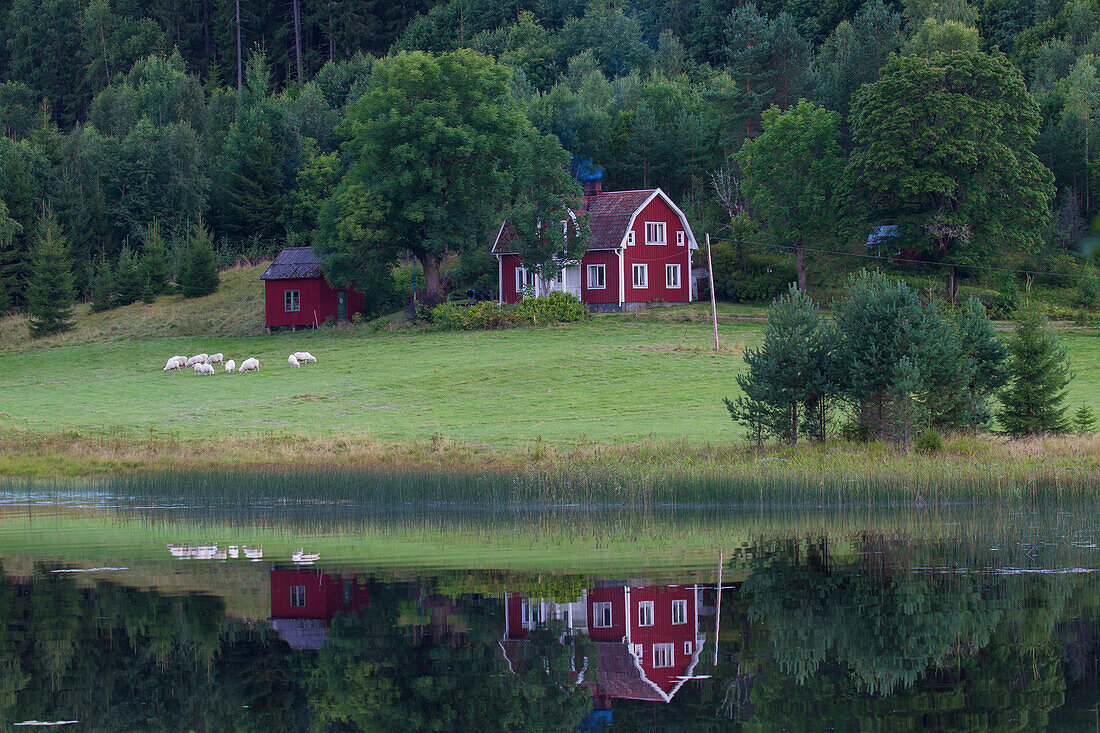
[496,239]
[692,244]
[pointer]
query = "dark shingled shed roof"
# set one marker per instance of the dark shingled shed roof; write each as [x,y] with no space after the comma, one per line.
[294,263]
[608,216]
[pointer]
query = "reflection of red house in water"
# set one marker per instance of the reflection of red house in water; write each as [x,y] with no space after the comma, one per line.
[304,602]
[647,637]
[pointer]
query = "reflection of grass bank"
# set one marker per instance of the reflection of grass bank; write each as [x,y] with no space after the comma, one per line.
[969,467]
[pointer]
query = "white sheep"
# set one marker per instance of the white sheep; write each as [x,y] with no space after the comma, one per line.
[249,365]
[204,368]
[293,361]
[214,358]
[176,362]
[229,366]
[196,359]
[304,356]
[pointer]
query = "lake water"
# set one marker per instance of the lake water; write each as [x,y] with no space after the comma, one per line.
[141,614]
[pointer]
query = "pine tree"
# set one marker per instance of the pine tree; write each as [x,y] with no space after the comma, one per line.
[103,287]
[1084,420]
[50,290]
[198,271]
[8,255]
[788,375]
[16,191]
[1038,367]
[154,261]
[128,280]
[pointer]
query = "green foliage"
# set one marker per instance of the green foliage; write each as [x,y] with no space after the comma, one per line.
[557,307]
[103,286]
[198,274]
[789,375]
[50,291]
[1088,291]
[154,261]
[929,441]
[9,258]
[1084,420]
[980,373]
[128,280]
[752,278]
[486,315]
[1038,367]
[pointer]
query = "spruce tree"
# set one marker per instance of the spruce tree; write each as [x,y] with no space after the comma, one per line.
[128,282]
[199,270]
[154,261]
[50,290]
[103,287]
[1038,368]
[981,370]
[8,256]
[788,375]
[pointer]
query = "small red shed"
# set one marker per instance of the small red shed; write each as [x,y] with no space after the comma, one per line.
[296,292]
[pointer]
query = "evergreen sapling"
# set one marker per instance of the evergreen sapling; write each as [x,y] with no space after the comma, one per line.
[50,290]
[1038,368]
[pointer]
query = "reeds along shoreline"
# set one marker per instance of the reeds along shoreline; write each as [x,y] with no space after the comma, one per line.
[360,470]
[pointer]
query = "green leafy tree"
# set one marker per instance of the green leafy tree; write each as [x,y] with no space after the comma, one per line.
[789,376]
[943,147]
[1038,367]
[790,171]
[199,271]
[154,260]
[128,280]
[432,139]
[50,291]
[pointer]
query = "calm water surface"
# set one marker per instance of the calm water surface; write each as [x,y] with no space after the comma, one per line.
[147,615]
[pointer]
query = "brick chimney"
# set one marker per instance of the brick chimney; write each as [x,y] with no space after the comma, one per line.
[593,188]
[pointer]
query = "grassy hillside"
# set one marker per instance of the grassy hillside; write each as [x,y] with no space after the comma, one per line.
[236,309]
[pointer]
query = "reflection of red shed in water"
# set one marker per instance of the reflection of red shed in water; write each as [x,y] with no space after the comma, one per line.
[647,637]
[303,602]
[296,292]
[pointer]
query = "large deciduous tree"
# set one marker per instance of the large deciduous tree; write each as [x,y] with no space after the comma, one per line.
[791,171]
[432,142]
[943,146]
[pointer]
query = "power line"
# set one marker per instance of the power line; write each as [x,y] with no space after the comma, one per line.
[905,259]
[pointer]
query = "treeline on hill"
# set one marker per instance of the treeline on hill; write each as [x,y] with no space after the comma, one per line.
[248,126]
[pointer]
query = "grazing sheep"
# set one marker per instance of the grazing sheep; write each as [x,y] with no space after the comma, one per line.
[176,362]
[229,366]
[249,365]
[293,362]
[204,368]
[304,356]
[214,359]
[196,359]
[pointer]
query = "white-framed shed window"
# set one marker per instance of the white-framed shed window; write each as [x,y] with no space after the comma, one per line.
[655,232]
[630,238]
[524,279]
[645,613]
[297,596]
[637,650]
[672,276]
[681,238]
[292,301]
[601,615]
[662,655]
[597,277]
[641,275]
[687,648]
[680,611]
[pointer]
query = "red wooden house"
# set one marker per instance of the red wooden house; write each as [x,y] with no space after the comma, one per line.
[640,247]
[648,637]
[296,292]
[304,602]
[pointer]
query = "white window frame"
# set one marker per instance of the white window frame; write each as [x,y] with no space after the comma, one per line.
[297,596]
[664,655]
[659,231]
[524,277]
[598,615]
[645,613]
[687,648]
[679,611]
[292,301]
[681,238]
[603,277]
[637,650]
[644,269]
[669,270]
[630,238]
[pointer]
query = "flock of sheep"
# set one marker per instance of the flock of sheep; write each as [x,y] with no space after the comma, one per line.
[204,363]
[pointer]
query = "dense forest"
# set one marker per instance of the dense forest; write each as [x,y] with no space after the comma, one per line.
[236,123]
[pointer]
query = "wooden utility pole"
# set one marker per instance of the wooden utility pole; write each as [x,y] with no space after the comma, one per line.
[713,305]
[240,67]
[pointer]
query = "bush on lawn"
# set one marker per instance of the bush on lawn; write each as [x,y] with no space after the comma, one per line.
[488,316]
